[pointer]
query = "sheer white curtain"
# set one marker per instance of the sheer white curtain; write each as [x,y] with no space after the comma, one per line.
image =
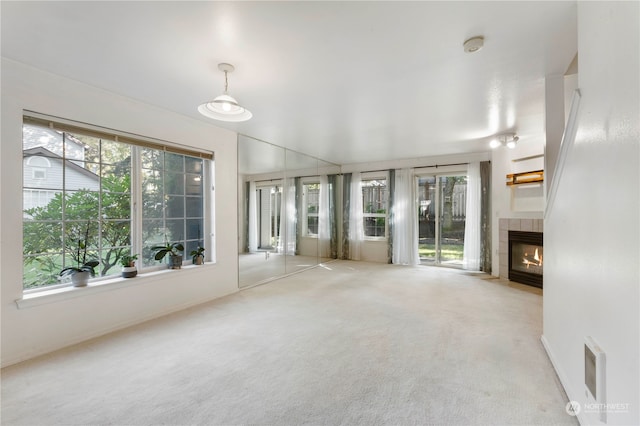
[323,218]
[471,255]
[356,227]
[253,218]
[288,218]
[405,219]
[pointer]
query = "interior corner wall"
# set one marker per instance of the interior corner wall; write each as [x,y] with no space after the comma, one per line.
[34,330]
[554,95]
[502,164]
[592,230]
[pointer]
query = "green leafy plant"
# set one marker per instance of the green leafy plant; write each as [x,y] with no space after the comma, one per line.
[81,253]
[128,260]
[198,252]
[171,249]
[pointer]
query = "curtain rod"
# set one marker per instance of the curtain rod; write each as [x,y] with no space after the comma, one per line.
[292,177]
[265,180]
[416,167]
[374,171]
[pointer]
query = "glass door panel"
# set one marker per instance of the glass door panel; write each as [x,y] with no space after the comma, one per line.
[453,198]
[441,219]
[427,218]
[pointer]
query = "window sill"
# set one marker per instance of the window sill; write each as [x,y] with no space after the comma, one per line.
[376,239]
[69,292]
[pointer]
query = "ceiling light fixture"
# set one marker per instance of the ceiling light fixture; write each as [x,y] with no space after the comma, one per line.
[473,44]
[225,107]
[510,140]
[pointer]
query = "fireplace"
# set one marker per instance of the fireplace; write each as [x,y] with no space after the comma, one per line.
[525,257]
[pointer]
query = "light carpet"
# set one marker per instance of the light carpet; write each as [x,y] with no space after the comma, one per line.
[347,343]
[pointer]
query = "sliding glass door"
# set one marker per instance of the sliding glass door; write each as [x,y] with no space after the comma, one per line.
[269,206]
[441,219]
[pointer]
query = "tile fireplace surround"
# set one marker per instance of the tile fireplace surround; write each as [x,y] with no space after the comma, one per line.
[506,225]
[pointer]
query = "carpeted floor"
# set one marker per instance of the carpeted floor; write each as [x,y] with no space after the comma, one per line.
[347,343]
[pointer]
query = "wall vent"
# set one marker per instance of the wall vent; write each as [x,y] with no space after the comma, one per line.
[594,378]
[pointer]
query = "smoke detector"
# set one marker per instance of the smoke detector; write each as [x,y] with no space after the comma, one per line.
[473,44]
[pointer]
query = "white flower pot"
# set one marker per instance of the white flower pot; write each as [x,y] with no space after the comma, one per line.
[80,279]
[129,271]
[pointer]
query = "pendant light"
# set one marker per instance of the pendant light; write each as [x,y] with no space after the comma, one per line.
[225,107]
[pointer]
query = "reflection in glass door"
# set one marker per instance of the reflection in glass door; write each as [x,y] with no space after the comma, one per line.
[269,206]
[441,219]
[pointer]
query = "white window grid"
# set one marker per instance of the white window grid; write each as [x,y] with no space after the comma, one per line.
[40,198]
[375,180]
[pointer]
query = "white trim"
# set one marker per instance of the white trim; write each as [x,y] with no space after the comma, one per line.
[568,139]
[562,378]
[59,294]
[47,163]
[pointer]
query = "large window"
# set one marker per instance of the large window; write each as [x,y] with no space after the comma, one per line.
[86,207]
[311,193]
[374,205]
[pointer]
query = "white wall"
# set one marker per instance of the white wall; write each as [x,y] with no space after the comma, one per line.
[33,330]
[592,232]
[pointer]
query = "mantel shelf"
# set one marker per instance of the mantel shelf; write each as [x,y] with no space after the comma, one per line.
[525,177]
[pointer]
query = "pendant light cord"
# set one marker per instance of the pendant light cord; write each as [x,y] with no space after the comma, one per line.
[226,83]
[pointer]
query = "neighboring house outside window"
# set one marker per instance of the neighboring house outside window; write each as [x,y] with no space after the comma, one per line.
[374,205]
[87,191]
[311,207]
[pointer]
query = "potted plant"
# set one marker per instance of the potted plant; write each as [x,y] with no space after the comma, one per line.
[174,250]
[81,273]
[128,263]
[197,255]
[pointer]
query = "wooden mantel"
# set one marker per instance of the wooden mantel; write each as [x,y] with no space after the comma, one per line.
[525,177]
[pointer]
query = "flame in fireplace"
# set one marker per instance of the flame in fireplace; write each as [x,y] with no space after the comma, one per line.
[535,260]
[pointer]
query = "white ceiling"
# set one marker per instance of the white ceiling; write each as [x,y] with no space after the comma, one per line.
[344,81]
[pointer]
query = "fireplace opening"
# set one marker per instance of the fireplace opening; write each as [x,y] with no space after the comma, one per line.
[526,257]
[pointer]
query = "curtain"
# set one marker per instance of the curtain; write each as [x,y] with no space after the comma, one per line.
[324,228]
[405,219]
[356,226]
[298,202]
[392,188]
[288,215]
[346,208]
[485,216]
[472,230]
[333,220]
[253,218]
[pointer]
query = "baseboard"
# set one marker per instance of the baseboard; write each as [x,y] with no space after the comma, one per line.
[562,378]
[108,330]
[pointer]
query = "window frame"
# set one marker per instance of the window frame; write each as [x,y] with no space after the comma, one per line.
[135,219]
[370,176]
